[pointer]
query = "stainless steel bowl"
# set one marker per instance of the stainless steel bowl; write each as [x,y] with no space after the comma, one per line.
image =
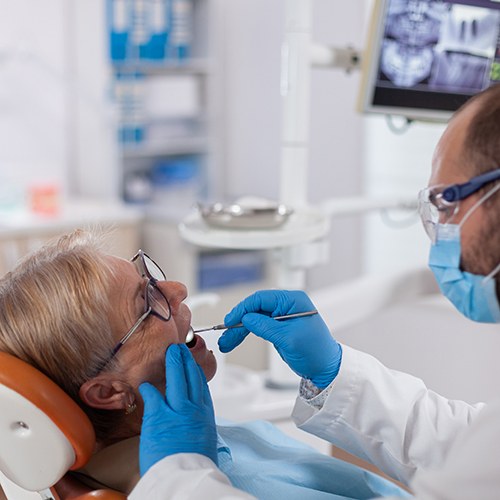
[243,216]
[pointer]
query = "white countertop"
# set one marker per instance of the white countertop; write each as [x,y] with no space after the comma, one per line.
[74,213]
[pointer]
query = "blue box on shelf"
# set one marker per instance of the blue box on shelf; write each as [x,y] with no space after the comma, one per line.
[231,267]
[149,31]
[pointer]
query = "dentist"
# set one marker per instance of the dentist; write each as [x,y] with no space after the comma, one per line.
[442,449]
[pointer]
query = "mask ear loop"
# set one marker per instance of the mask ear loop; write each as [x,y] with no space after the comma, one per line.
[490,276]
[478,203]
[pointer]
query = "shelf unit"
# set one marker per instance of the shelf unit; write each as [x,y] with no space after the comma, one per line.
[165,107]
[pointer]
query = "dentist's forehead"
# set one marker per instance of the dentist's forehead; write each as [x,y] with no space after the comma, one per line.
[449,164]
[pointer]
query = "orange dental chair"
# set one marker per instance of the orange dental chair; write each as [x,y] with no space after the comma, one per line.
[43,435]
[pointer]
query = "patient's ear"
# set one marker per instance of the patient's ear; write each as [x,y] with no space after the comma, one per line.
[107,394]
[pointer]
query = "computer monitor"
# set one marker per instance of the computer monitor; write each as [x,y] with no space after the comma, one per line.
[425,58]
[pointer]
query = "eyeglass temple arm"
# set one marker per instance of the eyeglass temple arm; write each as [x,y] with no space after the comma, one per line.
[458,192]
[132,330]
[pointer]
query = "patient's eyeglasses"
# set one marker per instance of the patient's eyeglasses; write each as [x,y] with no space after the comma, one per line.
[155,303]
[438,204]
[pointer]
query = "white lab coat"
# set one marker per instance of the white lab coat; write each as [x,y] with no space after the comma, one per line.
[444,449]
[187,477]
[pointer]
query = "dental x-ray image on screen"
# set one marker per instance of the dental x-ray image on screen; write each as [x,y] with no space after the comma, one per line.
[427,57]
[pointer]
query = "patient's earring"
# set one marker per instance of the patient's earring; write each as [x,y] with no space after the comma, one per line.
[131,407]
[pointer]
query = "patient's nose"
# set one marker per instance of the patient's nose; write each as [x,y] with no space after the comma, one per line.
[175,291]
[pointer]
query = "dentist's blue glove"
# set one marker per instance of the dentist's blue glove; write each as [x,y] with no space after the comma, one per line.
[305,344]
[181,422]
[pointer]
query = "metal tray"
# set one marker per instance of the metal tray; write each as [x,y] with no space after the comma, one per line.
[243,216]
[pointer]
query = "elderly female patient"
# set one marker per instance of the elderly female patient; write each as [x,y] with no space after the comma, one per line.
[99,327]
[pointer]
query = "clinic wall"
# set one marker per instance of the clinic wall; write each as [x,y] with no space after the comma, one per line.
[336,166]
[396,164]
[95,171]
[253,31]
[33,94]
[57,122]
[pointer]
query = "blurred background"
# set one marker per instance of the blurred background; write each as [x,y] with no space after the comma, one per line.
[121,115]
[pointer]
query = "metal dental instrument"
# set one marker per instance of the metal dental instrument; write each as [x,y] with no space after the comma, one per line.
[279,318]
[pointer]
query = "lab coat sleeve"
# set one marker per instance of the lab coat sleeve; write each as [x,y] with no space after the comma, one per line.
[472,469]
[187,477]
[387,417]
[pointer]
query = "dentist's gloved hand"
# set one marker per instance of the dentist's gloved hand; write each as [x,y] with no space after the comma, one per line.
[181,422]
[305,344]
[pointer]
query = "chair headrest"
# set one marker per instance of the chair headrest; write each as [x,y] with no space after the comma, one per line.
[43,432]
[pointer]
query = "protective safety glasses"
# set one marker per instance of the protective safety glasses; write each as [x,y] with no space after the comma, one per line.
[155,303]
[438,204]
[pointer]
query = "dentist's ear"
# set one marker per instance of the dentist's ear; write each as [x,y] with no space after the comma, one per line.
[106,394]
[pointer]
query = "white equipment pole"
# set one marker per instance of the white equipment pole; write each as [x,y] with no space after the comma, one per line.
[295,91]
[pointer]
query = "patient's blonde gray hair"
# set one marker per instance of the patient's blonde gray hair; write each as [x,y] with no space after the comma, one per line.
[54,310]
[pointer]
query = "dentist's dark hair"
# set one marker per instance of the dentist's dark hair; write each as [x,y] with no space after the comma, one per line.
[482,140]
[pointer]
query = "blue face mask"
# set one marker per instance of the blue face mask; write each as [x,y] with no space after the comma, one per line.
[473,295]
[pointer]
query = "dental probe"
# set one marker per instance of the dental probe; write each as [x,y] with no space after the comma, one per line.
[279,318]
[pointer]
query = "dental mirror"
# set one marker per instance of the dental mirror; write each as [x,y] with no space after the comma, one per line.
[191,339]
